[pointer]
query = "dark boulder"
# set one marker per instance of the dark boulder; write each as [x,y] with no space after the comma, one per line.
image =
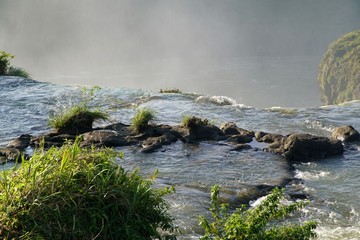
[230,128]
[305,147]
[107,138]
[153,143]
[198,133]
[21,142]
[268,137]
[51,139]
[346,134]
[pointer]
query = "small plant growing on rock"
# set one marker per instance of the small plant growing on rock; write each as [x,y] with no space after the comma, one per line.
[80,117]
[193,122]
[141,119]
[80,193]
[173,90]
[260,222]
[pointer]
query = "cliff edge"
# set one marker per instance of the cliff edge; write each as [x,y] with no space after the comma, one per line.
[339,70]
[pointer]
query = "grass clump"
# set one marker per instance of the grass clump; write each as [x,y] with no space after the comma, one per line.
[141,119]
[76,117]
[193,122]
[79,117]
[18,71]
[76,193]
[173,90]
[261,222]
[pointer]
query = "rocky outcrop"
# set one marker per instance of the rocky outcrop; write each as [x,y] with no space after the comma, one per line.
[339,70]
[346,134]
[306,147]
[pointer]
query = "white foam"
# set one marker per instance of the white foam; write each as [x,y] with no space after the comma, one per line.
[219,100]
[311,175]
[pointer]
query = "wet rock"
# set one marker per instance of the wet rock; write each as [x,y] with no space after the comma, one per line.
[230,128]
[198,133]
[239,139]
[240,147]
[268,137]
[305,147]
[346,134]
[107,138]
[9,154]
[51,139]
[154,143]
[21,142]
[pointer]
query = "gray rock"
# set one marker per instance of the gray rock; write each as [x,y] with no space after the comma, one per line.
[304,147]
[346,134]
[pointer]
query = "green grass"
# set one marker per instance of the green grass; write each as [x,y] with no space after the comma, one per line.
[173,90]
[141,119]
[76,193]
[193,122]
[18,71]
[79,116]
[261,222]
[76,117]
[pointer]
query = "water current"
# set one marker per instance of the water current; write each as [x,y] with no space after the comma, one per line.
[333,184]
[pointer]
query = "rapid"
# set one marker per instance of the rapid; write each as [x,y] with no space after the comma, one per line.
[332,184]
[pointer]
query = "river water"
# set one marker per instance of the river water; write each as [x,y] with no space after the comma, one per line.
[333,184]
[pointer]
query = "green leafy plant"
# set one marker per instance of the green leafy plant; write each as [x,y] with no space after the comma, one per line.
[76,193]
[141,119]
[5,62]
[80,116]
[261,222]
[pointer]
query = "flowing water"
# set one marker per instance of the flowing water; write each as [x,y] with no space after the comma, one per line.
[192,169]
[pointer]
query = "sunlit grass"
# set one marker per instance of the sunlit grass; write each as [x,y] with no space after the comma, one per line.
[141,119]
[76,193]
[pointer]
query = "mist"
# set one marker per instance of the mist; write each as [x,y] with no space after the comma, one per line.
[152,44]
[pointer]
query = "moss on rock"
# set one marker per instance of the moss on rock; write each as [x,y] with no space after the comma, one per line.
[339,70]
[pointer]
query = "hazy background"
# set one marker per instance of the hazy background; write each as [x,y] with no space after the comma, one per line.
[238,48]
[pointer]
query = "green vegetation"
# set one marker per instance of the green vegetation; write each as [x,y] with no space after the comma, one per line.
[18,71]
[78,116]
[339,70]
[141,119]
[173,90]
[77,193]
[260,222]
[5,62]
[193,122]
[6,69]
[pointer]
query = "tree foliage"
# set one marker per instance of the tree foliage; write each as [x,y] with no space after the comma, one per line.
[261,222]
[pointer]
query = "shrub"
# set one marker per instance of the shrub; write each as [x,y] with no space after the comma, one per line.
[5,62]
[18,71]
[141,119]
[260,222]
[193,122]
[173,90]
[79,116]
[76,193]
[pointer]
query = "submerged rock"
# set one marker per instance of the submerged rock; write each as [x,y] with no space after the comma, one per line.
[346,134]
